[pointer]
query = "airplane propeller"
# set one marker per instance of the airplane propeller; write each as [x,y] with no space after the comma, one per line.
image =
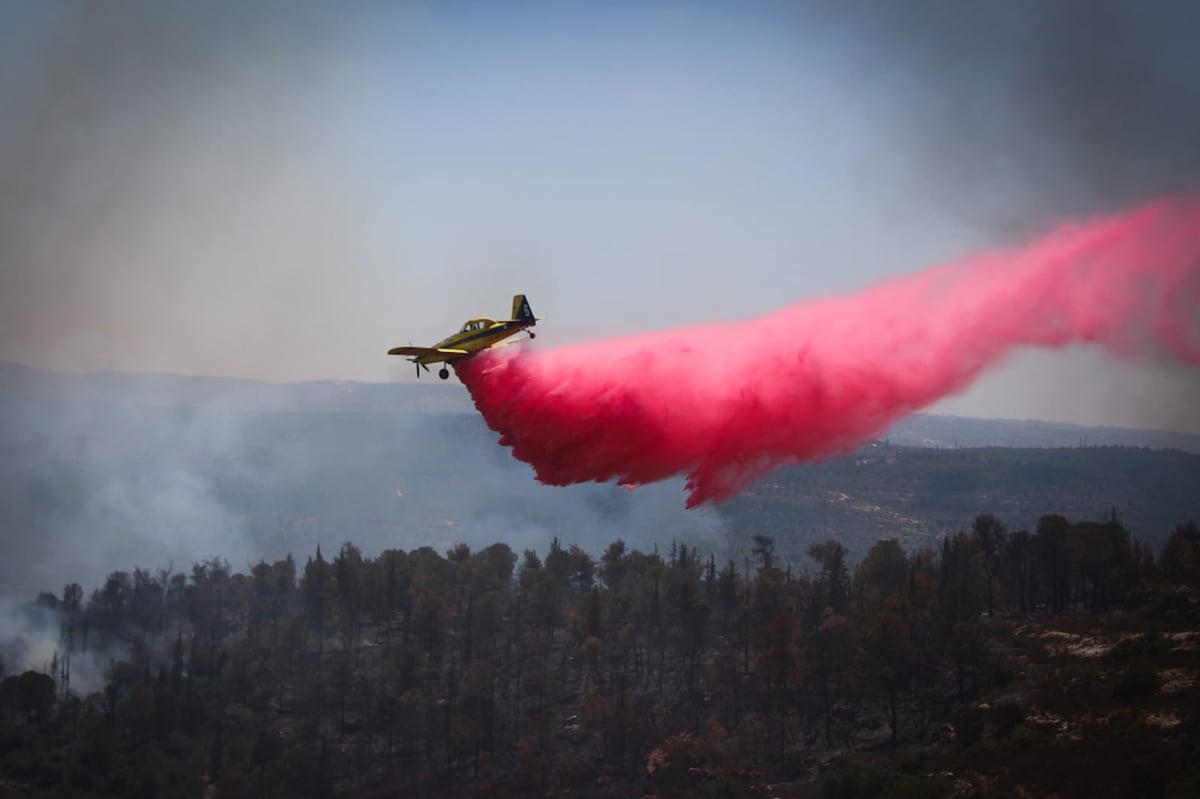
[419,365]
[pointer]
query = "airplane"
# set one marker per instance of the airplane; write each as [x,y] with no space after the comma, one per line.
[476,335]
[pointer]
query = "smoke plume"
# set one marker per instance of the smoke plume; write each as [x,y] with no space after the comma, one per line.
[726,403]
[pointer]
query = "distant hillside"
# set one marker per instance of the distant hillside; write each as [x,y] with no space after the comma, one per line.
[149,469]
[952,432]
[343,396]
[918,494]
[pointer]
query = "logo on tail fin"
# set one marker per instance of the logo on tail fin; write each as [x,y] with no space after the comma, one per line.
[521,312]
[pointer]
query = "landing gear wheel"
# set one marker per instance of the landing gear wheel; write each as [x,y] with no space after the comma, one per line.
[444,373]
[532,334]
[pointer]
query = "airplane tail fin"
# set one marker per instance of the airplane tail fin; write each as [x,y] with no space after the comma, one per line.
[521,312]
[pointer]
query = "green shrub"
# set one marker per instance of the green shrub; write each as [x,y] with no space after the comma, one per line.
[914,762]
[968,724]
[34,766]
[1136,682]
[1003,676]
[852,779]
[862,779]
[931,786]
[1005,718]
[1185,785]
[1148,643]
[1027,739]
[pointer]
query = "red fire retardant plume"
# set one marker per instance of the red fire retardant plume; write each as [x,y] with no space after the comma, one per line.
[726,403]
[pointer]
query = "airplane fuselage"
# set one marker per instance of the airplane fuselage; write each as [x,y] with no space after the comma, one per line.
[476,334]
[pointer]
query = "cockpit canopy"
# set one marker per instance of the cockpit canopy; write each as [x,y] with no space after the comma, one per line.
[472,325]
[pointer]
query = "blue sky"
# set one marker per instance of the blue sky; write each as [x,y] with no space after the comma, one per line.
[284,191]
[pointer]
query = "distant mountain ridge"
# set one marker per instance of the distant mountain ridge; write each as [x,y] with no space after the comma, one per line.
[937,431]
[339,396]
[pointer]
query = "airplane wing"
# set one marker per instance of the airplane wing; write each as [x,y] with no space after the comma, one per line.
[433,353]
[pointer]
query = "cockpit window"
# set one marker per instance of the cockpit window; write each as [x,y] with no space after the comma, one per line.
[476,324]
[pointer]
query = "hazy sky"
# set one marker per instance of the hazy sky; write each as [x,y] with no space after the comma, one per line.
[283,190]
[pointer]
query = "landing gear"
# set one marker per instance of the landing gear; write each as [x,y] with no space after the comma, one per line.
[532,334]
[444,373]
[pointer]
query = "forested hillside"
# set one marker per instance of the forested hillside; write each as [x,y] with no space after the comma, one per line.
[841,629]
[1060,660]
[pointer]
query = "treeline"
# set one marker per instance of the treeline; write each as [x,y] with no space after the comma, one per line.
[491,674]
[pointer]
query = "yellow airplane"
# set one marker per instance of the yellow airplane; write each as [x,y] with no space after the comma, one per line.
[476,335]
